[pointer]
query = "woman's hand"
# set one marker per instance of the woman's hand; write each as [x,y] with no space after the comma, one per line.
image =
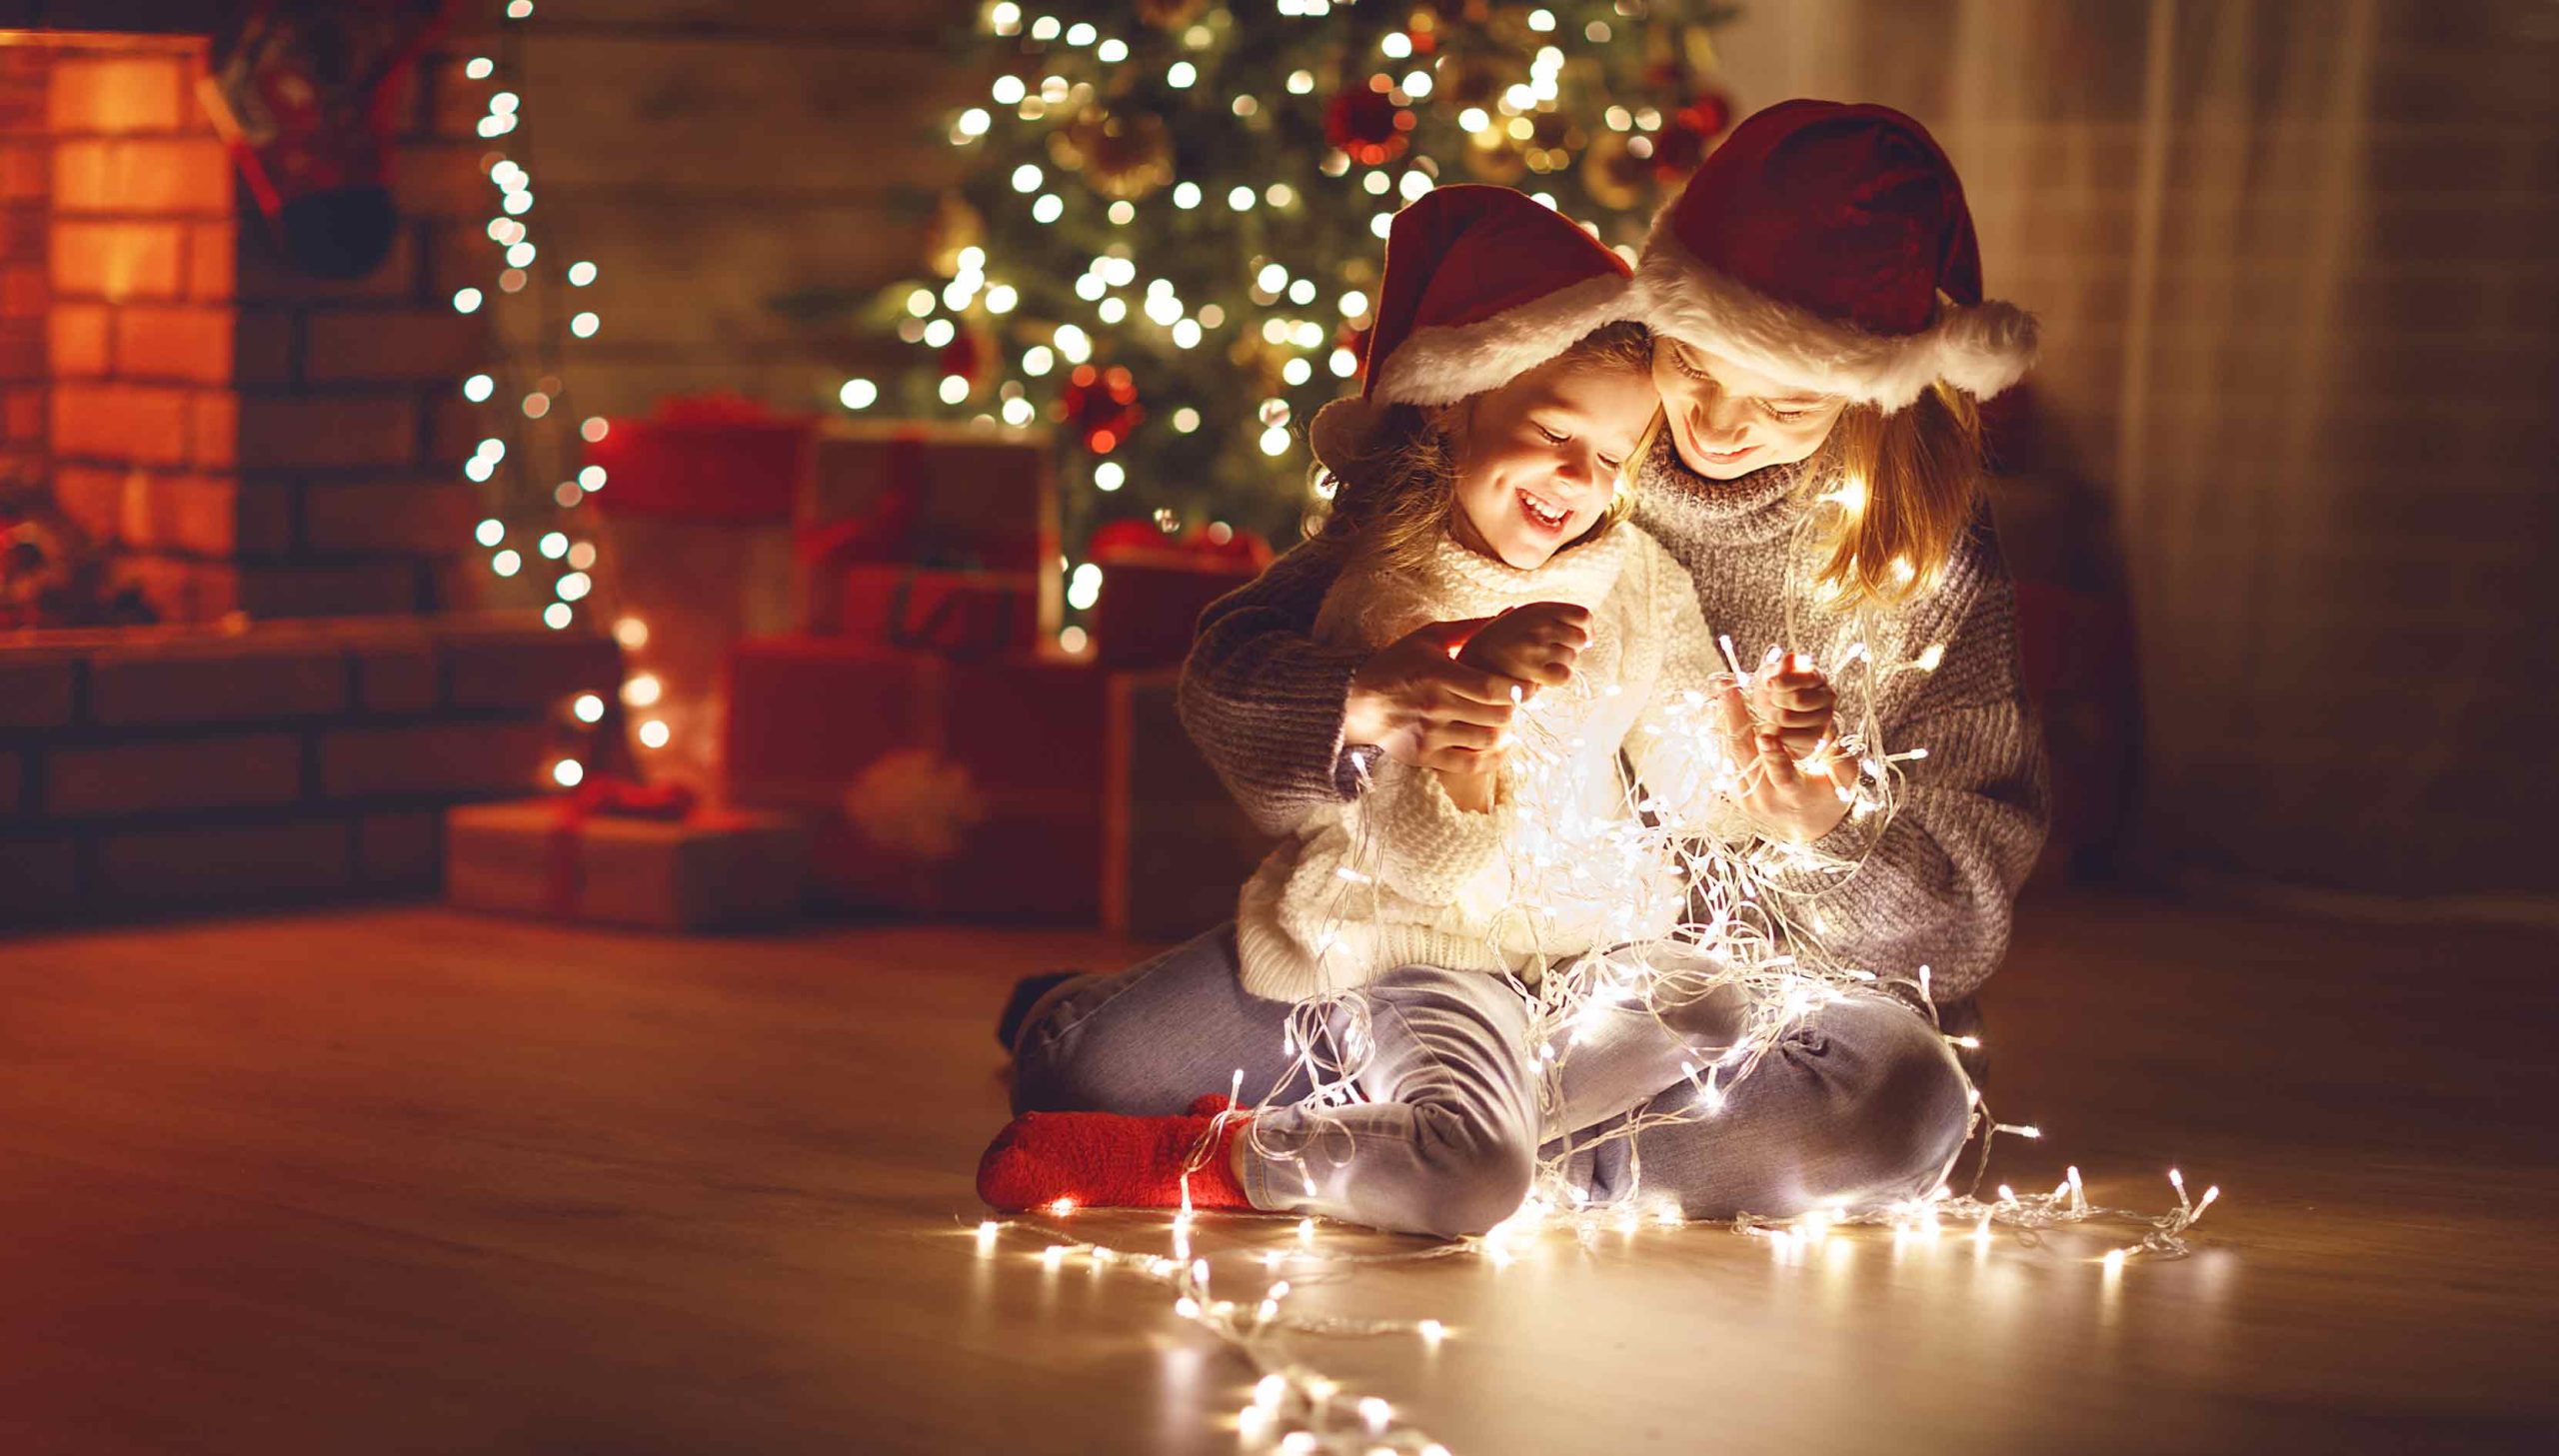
[1537,643]
[1793,793]
[1797,702]
[1416,702]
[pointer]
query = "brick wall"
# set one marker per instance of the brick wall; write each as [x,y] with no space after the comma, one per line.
[26,188]
[169,768]
[244,437]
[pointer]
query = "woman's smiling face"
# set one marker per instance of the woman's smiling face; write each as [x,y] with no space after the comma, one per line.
[1727,421]
[1538,460]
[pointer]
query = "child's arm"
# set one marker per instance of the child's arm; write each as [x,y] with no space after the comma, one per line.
[1430,834]
[1287,722]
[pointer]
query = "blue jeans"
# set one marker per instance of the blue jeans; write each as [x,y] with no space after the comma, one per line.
[1861,1103]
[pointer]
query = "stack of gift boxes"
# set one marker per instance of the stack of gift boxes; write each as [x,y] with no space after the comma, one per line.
[948,757]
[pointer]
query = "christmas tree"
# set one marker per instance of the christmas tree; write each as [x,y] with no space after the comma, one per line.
[1168,241]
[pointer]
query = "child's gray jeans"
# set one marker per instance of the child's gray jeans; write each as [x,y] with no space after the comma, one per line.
[1860,1104]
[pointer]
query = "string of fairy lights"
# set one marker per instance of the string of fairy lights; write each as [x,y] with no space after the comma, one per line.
[567,549]
[1752,931]
[1755,923]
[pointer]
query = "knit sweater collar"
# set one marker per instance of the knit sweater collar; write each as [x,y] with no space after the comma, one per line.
[1581,574]
[1677,503]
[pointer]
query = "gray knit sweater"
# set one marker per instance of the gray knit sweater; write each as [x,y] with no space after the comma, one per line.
[1937,879]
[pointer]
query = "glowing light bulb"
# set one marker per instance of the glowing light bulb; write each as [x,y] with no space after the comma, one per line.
[568,773]
[654,733]
[489,531]
[643,689]
[591,479]
[858,394]
[589,707]
[466,301]
[1108,476]
[506,562]
[585,324]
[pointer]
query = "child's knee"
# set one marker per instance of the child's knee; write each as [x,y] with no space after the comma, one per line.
[1478,1173]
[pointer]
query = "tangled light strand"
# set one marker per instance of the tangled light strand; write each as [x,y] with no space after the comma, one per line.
[1750,925]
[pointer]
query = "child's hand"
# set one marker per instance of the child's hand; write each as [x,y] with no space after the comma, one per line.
[1536,643]
[1424,707]
[1791,802]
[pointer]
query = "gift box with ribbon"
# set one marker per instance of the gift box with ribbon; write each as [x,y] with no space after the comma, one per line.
[933,496]
[1153,588]
[954,613]
[1175,847]
[930,785]
[705,457]
[613,853]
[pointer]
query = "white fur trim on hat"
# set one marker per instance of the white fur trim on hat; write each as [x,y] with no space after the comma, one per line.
[1446,363]
[1341,430]
[1980,350]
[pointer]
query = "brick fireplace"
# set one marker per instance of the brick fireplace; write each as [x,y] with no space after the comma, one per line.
[271,462]
[237,437]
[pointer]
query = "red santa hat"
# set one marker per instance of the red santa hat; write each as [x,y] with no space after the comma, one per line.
[1814,247]
[1482,285]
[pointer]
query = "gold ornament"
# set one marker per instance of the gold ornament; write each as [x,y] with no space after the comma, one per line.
[1491,156]
[1170,14]
[1122,154]
[1472,79]
[956,226]
[1616,177]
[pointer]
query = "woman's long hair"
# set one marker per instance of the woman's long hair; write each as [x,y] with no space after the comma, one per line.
[1392,502]
[1902,491]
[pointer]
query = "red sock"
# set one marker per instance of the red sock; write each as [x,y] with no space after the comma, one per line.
[1105,1161]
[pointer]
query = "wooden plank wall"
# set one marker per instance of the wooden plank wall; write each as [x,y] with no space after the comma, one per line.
[745,175]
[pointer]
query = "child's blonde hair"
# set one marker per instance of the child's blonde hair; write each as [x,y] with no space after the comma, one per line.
[1903,489]
[1392,502]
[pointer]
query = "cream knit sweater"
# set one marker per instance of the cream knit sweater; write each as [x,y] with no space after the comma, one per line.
[1401,875]
[1935,883]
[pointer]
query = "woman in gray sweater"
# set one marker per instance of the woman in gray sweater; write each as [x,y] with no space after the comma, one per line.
[1821,340]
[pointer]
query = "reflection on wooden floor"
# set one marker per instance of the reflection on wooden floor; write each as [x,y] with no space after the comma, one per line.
[402,1180]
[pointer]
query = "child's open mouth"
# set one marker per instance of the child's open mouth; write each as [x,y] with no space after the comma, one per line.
[1543,514]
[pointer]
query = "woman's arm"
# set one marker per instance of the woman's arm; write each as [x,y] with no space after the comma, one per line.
[1265,701]
[1936,881]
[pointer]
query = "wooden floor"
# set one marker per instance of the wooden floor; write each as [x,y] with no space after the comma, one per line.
[407,1180]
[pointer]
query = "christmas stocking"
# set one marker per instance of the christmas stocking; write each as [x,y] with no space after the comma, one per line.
[307,93]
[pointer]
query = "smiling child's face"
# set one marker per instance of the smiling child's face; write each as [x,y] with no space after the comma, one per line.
[1727,421]
[1538,460]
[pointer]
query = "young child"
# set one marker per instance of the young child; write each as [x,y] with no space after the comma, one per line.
[1478,486]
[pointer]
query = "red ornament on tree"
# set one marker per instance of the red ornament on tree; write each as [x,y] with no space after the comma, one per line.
[1367,124]
[965,355]
[1692,128]
[1102,406]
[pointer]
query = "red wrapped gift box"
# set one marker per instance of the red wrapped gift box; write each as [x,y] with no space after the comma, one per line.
[962,496]
[954,613]
[712,869]
[1177,849]
[1155,587]
[718,458]
[969,790]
